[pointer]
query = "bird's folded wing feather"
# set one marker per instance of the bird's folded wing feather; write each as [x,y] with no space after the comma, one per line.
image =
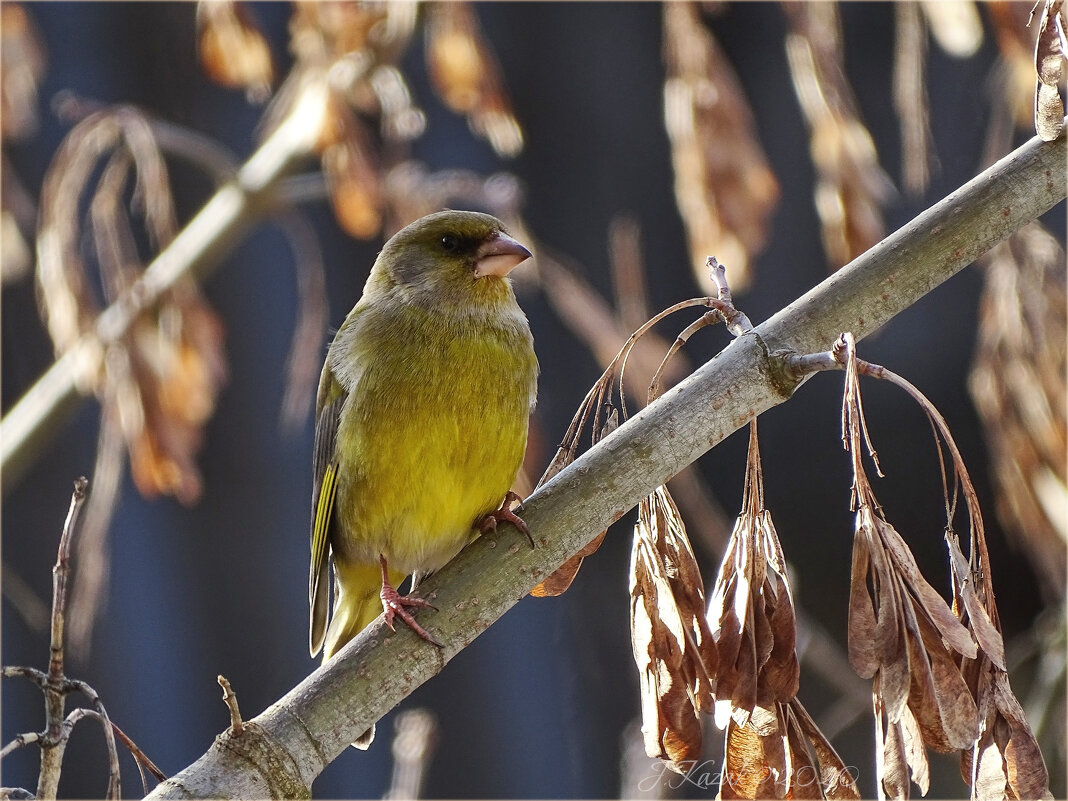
[324,489]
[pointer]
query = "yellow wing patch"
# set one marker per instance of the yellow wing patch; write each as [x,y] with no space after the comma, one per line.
[319,577]
[323,511]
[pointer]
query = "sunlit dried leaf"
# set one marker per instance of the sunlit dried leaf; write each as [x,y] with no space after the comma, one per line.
[1025,767]
[921,697]
[467,77]
[915,753]
[835,777]
[163,375]
[723,186]
[325,30]
[673,648]
[1050,54]
[956,709]
[923,707]
[850,186]
[561,578]
[355,191]
[955,635]
[751,611]
[981,625]
[348,51]
[1006,762]
[891,764]
[22,65]
[955,25]
[976,709]
[1018,383]
[894,679]
[17,218]
[158,383]
[989,780]
[888,598]
[232,50]
[746,773]
[862,643]
[780,753]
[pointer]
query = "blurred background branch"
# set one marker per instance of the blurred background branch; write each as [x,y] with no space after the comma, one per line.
[206,238]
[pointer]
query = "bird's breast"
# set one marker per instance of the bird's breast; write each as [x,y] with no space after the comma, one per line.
[430,439]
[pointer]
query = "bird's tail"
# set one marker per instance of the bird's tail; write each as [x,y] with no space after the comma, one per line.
[357,604]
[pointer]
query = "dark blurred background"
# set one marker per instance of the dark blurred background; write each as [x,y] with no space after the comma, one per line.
[538,706]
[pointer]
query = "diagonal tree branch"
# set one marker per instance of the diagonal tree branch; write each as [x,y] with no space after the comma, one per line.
[282,750]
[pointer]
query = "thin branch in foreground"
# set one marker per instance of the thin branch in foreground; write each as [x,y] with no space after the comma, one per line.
[56,686]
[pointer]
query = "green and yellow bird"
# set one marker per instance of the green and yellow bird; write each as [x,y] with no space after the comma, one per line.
[421,419]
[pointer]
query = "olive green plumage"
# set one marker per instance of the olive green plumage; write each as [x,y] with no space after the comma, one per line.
[421,414]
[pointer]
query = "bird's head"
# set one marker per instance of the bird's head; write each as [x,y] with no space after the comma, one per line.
[450,257]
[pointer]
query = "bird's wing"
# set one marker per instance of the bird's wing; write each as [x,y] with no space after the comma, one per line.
[324,489]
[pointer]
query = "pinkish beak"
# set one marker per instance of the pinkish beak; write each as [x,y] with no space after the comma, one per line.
[498,255]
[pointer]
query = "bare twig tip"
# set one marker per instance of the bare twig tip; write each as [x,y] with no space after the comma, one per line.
[230,699]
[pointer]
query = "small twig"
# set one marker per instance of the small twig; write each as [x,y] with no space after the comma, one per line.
[143,762]
[60,574]
[19,741]
[56,686]
[624,352]
[842,356]
[55,742]
[800,365]
[722,309]
[230,699]
[838,358]
[114,781]
[737,322]
[718,273]
[75,685]
[38,677]
[706,319]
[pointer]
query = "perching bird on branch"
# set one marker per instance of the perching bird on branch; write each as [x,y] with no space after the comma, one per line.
[421,419]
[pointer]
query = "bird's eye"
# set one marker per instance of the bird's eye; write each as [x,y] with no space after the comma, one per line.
[450,243]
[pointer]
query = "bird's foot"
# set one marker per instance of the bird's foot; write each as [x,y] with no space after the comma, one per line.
[490,521]
[393,605]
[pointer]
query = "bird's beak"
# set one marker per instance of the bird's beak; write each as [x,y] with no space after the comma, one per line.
[498,255]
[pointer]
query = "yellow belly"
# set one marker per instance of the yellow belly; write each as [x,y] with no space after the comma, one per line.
[427,446]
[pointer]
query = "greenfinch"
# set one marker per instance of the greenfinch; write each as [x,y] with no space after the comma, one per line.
[421,420]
